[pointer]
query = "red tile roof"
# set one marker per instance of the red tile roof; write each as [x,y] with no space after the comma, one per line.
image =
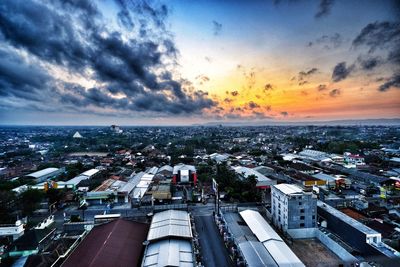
[117,243]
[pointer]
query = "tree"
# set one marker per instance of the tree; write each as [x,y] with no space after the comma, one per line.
[7,202]
[30,200]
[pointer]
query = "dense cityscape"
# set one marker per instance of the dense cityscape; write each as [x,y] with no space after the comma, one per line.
[223,195]
[199,133]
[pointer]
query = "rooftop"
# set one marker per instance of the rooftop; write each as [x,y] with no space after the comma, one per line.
[347,219]
[170,223]
[288,189]
[170,252]
[43,172]
[117,243]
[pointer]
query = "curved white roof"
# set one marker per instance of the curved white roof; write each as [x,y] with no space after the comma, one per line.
[169,253]
[170,223]
[274,244]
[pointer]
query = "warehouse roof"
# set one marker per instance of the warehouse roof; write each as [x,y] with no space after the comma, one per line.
[118,241]
[90,172]
[255,254]
[170,252]
[274,244]
[43,172]
[170,223]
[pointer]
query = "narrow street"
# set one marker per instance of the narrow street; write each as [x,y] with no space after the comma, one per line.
[213,249]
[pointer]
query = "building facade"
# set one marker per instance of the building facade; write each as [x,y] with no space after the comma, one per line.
[292,208]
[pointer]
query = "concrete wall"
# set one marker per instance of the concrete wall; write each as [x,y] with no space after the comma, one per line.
[343,254]
[302,233]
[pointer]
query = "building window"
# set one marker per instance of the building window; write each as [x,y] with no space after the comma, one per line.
[301,217]
[313,217]
[302,211]
[302,225]
[300,203]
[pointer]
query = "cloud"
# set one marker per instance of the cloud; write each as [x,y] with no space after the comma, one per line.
[252,105]
[303,75]
[217,27]
[334,92]
[369,63]
[235,93]
[378,35]
[324,8]
[72,36]
[322,87]
[327,41]
[268,87]
[393,82]
[341,71]
[284,113]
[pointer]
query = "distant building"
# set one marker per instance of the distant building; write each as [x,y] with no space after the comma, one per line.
[15,230]
[45,174]
[292,208]
[183,173]
[262,180]
[353,159]
[116,129]
[77,135]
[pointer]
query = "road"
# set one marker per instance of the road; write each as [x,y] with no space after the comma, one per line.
[214,252]
[213,249]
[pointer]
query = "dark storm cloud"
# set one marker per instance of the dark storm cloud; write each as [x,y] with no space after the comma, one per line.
[369,63]
[324,8]
[217,27]
[379,35]
[72,35]
[341,71]
[327,41]
[334,92]
[393,82]
[382,37]
[20,79]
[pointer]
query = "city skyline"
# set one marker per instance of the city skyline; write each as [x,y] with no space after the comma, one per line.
[196,62]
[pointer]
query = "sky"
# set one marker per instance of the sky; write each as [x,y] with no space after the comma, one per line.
[67,62]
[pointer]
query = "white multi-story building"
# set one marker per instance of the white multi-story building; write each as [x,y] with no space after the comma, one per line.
[292,208]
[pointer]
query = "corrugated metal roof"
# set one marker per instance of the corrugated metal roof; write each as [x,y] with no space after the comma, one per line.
[170,223]
[255,254]
[76,180]
[165,168]
[90,172]
[274,244]
[43,172]
[170,252]
[260,228]
[117,243]
[282,254]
